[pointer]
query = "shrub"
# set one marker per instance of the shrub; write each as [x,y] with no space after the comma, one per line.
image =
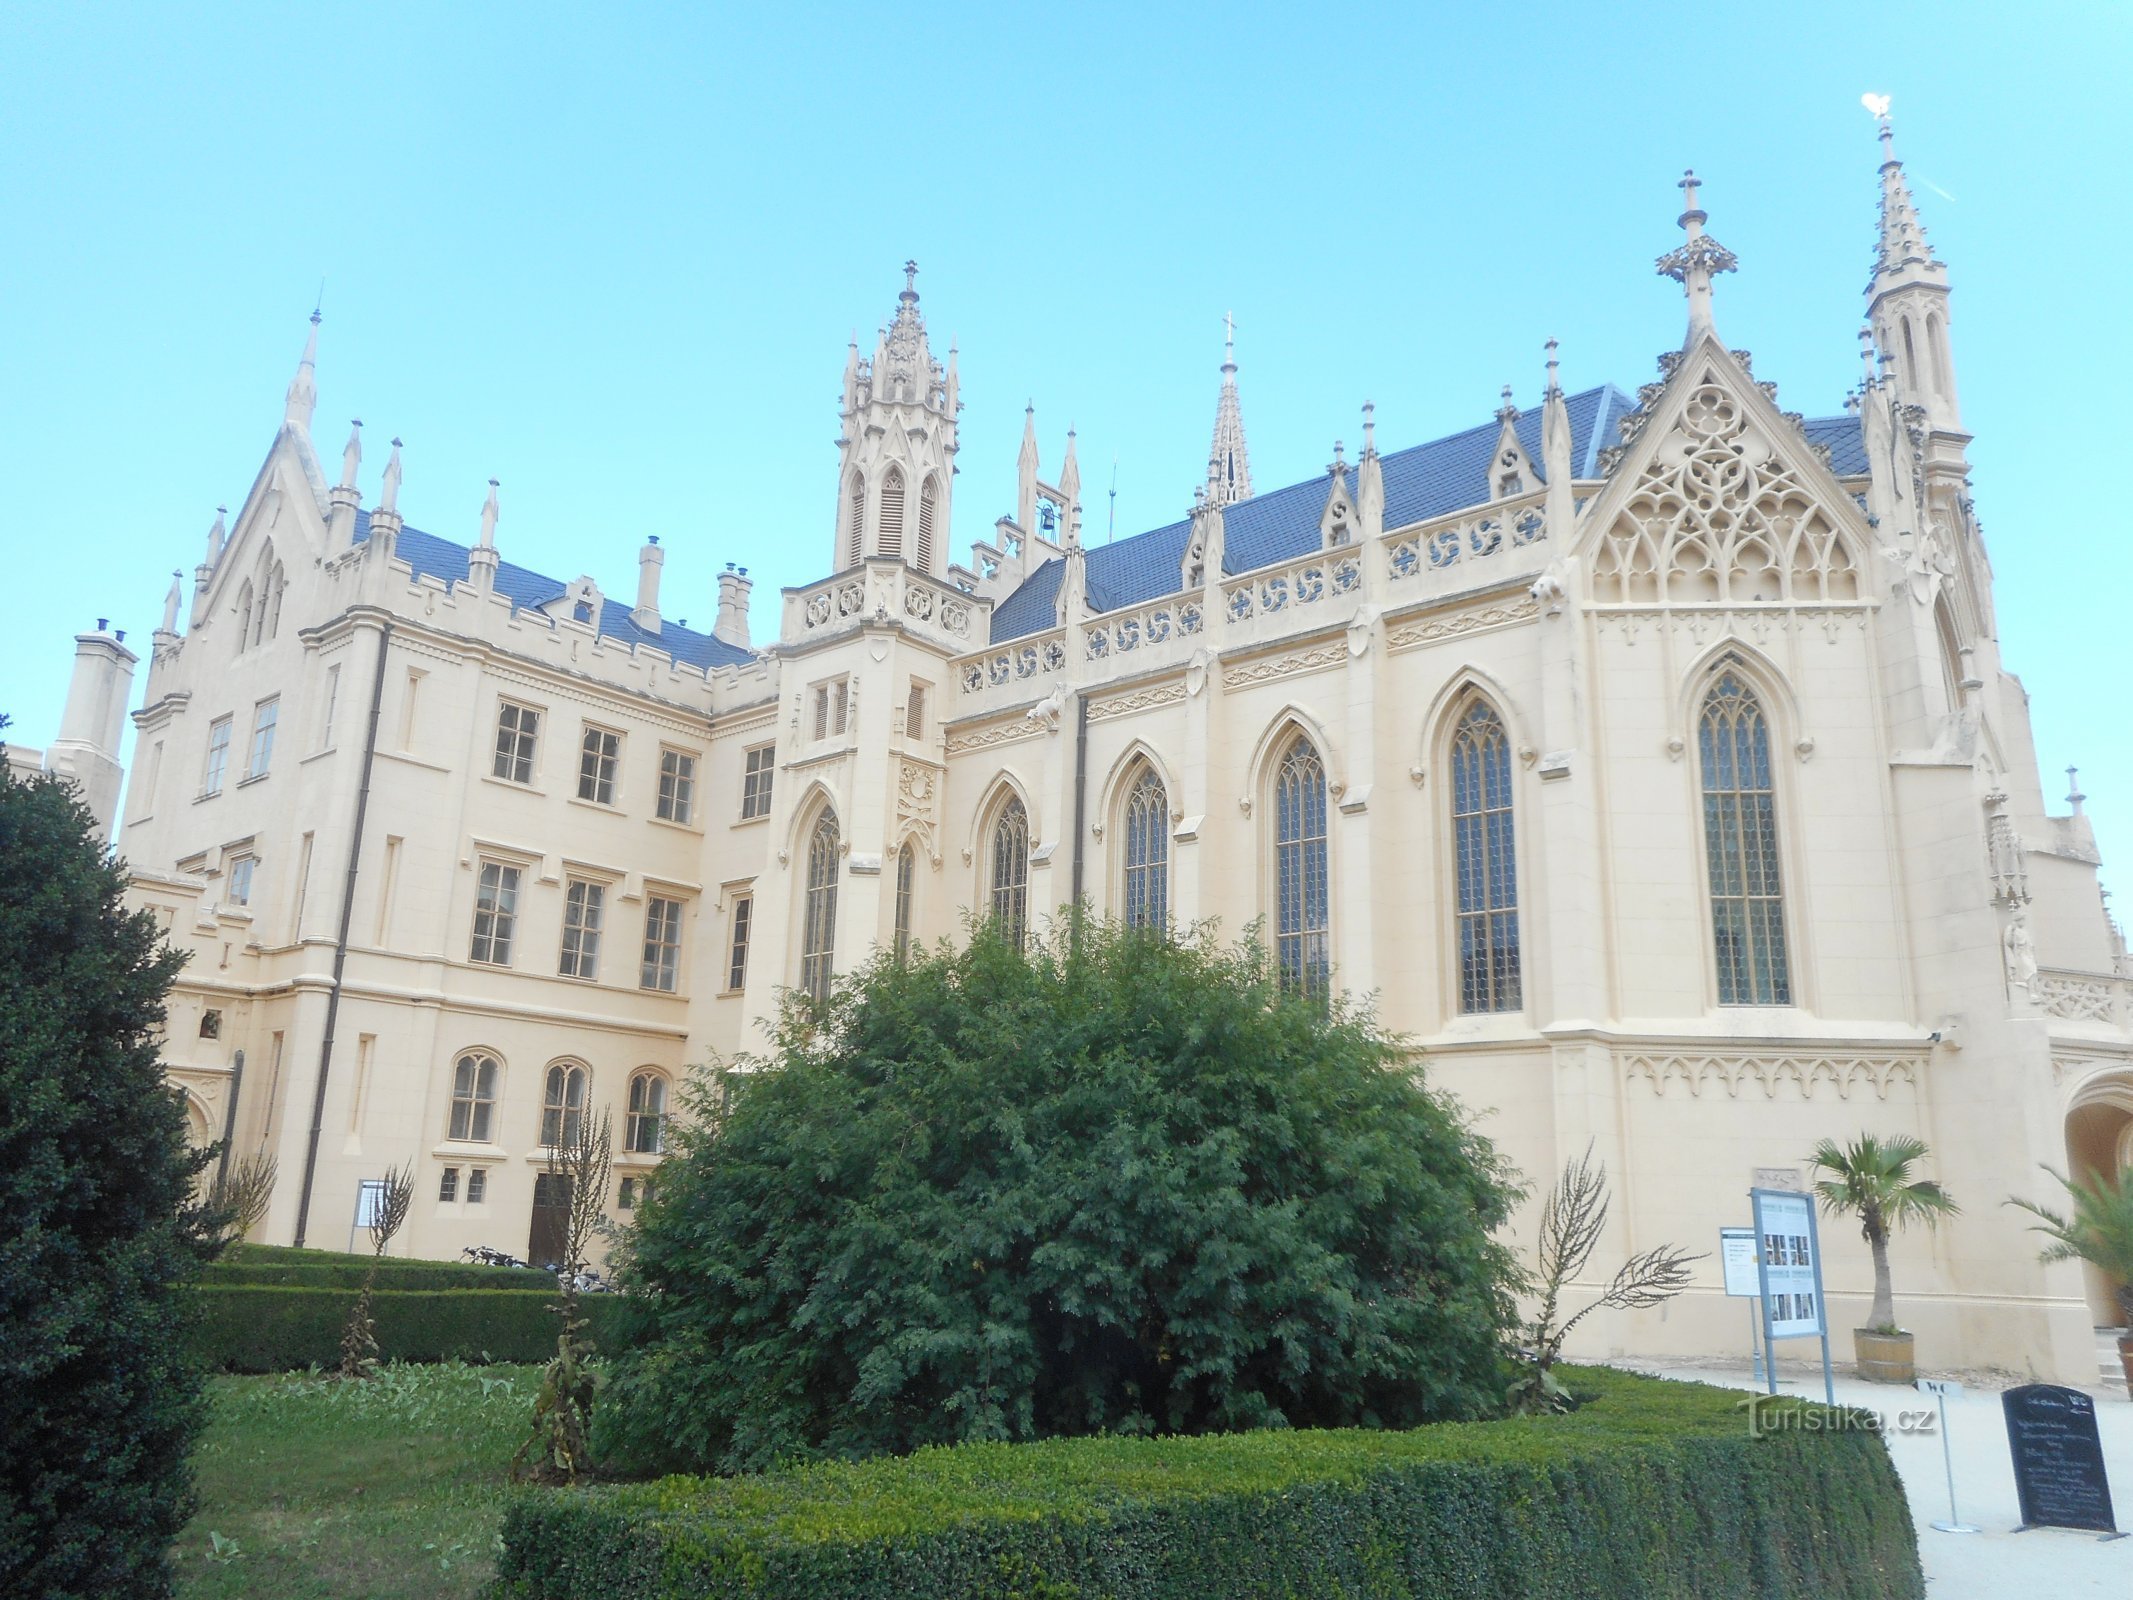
[1651,1490]
[258,1328]
[96,1188]
[330,1269]
[1116,1183]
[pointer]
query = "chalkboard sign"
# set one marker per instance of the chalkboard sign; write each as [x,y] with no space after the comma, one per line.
[2058,1458]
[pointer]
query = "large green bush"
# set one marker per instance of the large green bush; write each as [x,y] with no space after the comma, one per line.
[1653,1491]
[1116,1183]
[277,1328]
[101,1404]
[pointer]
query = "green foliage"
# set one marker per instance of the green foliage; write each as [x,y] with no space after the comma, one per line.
[256,1328]
[1118,1183]
[1873,1179]
[96,1189]
[2099,1230]
[328,1269]
[1650,1490]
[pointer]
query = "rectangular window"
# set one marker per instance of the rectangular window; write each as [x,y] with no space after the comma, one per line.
[584,903]
[833,703]
[626,1198]
[758,767]
[448,1186]
[597,760]
[218,756]
[662,942]
[264,717]
[677,785]
[737,949]
[333,704]
[495,913]
[915,711]
[241,873]
[517,729]
[477,1185]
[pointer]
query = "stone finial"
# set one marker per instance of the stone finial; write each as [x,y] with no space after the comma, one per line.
[170,602]
[2074,796]
[1229,473]
[489,512]
[1555,386]
[1866,360]
[217,535]
[352,453]
[1370,428]
[389,493]
[1698,260]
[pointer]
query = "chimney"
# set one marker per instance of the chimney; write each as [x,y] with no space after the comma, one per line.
[649,560]
[732,625]
[89,730]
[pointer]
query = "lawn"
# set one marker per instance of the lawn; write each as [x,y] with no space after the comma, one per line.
[390,1488]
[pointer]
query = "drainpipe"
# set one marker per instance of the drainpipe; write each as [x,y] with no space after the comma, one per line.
[229,1118]
[340,944]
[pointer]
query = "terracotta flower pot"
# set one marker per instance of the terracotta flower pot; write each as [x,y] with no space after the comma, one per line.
[1883,1357]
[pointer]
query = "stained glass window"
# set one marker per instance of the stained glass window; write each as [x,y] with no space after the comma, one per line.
[1740,838]
[1010,870]
[1487,863]
[818,935]
[1147,833]
[1301,946]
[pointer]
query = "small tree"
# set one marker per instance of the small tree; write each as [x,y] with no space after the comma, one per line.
[558,1448]
[1572,1219]
[1872,1179]
[394,1197]
[1110,1183]
[238,1198]
[97,1226]
[2099,1230]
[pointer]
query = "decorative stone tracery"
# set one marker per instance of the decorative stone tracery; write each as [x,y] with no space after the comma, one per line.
[1719,514]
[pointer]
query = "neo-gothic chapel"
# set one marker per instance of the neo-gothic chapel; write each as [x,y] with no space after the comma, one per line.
[1648,754]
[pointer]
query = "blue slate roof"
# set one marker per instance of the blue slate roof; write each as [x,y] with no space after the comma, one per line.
[1422,481]
[432,557]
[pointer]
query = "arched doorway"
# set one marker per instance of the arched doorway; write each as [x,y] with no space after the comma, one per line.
[2099,1139]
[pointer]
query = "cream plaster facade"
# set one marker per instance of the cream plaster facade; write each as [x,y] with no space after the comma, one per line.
[1948,967]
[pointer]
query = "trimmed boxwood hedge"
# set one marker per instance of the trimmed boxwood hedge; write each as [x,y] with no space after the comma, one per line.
[247,1327]
[1653,1489]
[331,1269]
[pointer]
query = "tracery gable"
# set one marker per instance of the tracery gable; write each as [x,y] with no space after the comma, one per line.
[1713,505]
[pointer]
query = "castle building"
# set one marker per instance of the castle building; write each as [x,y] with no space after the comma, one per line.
[1649,756]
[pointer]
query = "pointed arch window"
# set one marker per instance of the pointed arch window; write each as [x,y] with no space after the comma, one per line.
[906,880]
[1010,870]
[563,1105]
[928,498]
[244,615]
[818,922]
[1937,351]
[1486,863]
[272,607]
[1740,840]
[1302,950]
[855,525]
[890,541]
[1147,834]
[1910,358]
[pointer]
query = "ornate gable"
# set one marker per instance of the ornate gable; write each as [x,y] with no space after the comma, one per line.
[1713,505]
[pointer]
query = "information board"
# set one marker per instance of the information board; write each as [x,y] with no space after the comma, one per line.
[1736,1254]
[2058,1458]
[1791,1272]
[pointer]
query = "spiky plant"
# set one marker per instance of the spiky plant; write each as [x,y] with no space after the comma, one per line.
[359,1343]
[1876,1181]
[2099,1230]
[557,1449]
[1572,1219]
[237,1200]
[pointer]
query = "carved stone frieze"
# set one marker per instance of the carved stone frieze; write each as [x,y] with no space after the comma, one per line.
[1267,670]
[1736,1074]
[1000,733]
[1452,625]
[1161,694]
[918,788]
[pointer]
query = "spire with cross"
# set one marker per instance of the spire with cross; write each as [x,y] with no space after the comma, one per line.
[1229,464]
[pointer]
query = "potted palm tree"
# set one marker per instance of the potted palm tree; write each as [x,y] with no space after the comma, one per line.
[2100,1232]
[1874,1180]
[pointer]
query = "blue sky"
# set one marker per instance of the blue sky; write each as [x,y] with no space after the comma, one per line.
[613,260]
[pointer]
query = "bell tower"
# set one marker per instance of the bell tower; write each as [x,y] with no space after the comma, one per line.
[896,451]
